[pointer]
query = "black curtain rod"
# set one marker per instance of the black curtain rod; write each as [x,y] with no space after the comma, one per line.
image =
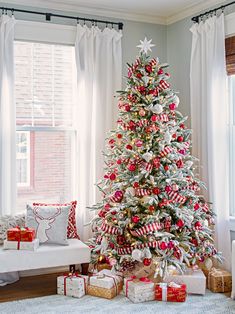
[222,7]
[49,15]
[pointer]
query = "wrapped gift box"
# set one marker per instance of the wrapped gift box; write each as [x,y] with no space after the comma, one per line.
[72,285]
[21,234]
[105,284]
[170,292]
[18,245]
[219,280]
[139,290]
[194,280]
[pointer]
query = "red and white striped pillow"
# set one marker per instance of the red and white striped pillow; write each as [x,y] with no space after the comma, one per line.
[72,227]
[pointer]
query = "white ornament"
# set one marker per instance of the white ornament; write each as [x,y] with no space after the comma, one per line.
[188,164]
[167,137]
[147,253]
[130,191]
[157,109]
[148,156]
[137,255]
[208,263]
[146,199]
[145,45]
[176,100]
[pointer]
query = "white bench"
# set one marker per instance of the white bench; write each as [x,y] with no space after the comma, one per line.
[45,256]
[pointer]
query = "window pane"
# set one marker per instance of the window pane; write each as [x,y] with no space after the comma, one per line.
[51,169]
[44,84]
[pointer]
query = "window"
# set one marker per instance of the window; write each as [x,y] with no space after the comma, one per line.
[45,89]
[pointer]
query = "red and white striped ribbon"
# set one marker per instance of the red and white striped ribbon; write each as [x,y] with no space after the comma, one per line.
[143,122]
[166,151]
[163,117]
[193,187]
[110,229]
[186,145]
[153,62]
[163,85]
[129,249]
[176,197]
[155,226]
[142,192]
[205,207]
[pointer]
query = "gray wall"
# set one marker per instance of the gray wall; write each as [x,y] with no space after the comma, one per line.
[132,32]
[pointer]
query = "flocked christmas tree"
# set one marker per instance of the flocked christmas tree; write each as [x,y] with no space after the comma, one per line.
[152,210]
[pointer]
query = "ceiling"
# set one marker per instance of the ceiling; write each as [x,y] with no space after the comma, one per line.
[153,11]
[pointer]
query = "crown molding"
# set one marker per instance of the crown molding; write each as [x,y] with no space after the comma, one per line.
[117,14]
[103,12]
[189,11]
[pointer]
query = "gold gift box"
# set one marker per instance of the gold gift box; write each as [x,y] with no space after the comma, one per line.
[103,292]
[219,280]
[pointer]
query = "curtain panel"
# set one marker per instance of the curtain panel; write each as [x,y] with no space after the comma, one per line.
[209,114]
[99,73]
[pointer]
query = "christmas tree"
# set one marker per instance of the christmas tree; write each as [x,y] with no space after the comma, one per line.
[152,210]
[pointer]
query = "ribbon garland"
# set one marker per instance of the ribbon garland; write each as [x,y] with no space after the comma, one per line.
[110,229]
[155,226]
[129,249]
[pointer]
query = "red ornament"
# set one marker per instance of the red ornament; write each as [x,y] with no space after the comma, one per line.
[166,167]
[119,135]
[138,143]
[139,75]
[160,72]
[112,176]
[156,191]
[127,108]
[147,261]
[135,219]
[151,208]
[182,151]
[136,184]
[171,245]
[163,246]
[180,223]
[172,106]
[194,242]
[154,118]
[121,240]
[179,163]
[174,135]
[107,206]
[129,147]
[168,188]
[113,212]
[119,161]
[182,126]
[196,206]
[111,141]
[111,245]
[180,139]
[198,225]
[132,125]
[141,89]
[148,68]
[132,167]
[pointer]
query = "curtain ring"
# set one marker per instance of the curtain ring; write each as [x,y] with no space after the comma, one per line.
[107,25]
[12,12]
[77,20]
[112,25]
[222,9]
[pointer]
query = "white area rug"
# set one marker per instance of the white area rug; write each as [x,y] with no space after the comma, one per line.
[210,303]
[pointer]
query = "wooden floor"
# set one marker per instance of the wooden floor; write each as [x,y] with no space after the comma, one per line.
[29,287]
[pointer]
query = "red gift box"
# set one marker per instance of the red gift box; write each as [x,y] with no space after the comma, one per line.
[21,234]
[171,292]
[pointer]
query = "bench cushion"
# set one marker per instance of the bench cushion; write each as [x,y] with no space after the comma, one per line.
[46,256]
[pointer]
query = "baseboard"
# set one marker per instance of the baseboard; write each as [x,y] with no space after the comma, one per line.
[43,271]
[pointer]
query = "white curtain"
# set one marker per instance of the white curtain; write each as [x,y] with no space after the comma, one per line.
[7,118]
[209,121]
[99,68]
[7,127]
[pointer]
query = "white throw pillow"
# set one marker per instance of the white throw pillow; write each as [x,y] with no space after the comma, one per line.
[7,222]
[50,223]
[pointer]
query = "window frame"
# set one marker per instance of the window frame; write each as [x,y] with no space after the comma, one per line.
[48,33]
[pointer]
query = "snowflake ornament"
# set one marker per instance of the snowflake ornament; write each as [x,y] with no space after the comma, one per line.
[145,45]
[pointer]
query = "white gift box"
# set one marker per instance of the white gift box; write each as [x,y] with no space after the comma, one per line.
[194,280]
[15,245]
[72,285]
[105,279]
[139,291]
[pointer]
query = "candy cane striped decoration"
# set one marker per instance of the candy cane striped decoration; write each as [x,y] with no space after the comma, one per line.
[205,207]
[186,145]
[129,249]
[176,197]
[143,122]
[193,187]
[163,85]
[148,167]
[166,151]
[142,192]
[155,226]
[163,117]
[110,229]
[153,62]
